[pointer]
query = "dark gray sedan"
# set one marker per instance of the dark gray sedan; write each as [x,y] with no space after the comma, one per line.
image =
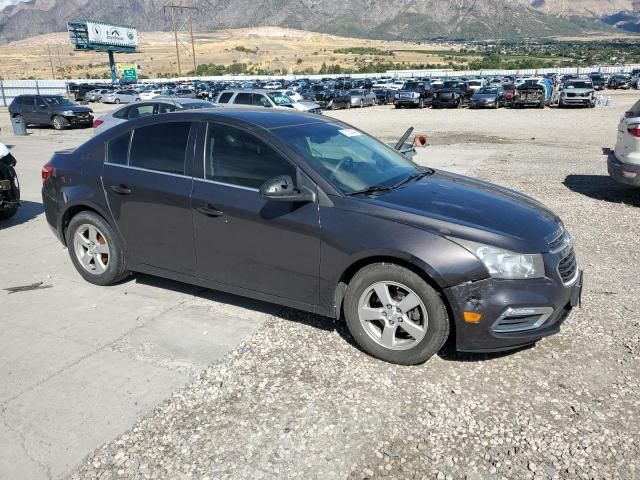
[309,212]
[488,97]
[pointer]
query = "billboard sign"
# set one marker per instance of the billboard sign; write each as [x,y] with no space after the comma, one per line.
[112,35]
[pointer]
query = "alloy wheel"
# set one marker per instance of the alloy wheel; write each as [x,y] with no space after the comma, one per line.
[91,249]
[393,315]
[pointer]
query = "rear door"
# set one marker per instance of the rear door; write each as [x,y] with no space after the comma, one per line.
[27,108]
[147,180]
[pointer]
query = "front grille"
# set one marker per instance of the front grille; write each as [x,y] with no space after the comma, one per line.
[568,267]
[558,240]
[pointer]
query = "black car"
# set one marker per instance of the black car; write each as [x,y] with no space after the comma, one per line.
[9,186]
[620,81]
[599,81]
[452,94]
[416,94]
[54,110]
[308,212]
[384,96]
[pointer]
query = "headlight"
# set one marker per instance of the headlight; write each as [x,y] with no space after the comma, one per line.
[415,94]
[505,264]
[397,95]
[68,113]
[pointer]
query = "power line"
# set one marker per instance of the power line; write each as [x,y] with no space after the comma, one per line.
[180,9]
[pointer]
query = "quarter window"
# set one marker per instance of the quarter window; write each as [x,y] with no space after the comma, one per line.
[160,147]
[141,111]
[238,158]
[119,149]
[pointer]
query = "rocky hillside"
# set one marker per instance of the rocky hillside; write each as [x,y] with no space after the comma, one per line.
[391,19]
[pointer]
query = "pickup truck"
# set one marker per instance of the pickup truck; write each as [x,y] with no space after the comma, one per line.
[414,94]
[453,94]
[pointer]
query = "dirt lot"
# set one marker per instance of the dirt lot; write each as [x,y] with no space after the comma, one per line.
[297,399]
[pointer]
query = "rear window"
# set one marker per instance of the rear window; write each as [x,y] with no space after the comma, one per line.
[634,111]
[160,147]
[26,100]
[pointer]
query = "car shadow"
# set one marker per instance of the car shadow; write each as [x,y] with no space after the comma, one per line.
[320,322]
[603,187]
[27,211]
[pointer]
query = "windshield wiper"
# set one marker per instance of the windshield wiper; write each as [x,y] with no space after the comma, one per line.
[371,189]
[414,176]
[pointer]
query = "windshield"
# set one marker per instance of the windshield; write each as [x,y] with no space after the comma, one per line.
[58,101]
[280,98]
[318,88]
[453,85]
[579,85]
[475,83]
[349,159]
[487,91]
[414,86]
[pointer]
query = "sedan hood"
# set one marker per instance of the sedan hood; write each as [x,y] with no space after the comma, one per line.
[484,96]
[578,91]
[458,206]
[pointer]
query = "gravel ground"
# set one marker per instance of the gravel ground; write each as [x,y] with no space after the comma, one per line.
[299,400]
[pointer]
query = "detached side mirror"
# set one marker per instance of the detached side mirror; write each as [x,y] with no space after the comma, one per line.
[283,189]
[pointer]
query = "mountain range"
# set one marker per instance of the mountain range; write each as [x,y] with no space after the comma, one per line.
[389,19]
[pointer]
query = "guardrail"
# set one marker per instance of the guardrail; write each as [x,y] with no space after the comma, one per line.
[9,89]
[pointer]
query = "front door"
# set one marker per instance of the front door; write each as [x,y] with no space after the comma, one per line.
[242,239]
[148,186]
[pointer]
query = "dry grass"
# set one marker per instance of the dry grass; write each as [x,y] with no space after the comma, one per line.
[278,49]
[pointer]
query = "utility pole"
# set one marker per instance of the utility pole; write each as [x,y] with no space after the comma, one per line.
[53,75]
[60,62]
[176,29]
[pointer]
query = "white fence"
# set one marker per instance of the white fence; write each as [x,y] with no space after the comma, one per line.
[9,89]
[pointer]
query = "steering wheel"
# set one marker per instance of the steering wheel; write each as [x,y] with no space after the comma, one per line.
[346,161]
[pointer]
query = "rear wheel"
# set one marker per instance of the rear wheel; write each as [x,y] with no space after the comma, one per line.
[95,250]
[394,315]
[116,101]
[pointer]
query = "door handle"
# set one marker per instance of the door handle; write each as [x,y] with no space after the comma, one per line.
[121,189]
[210,211]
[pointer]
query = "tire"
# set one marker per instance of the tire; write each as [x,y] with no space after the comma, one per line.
[407,349]
[59,123]
[541,104]
[349,105]
[592,104]
[117,101]
[396,105]
[8,213]
[361,103]
[100,268]
[421,104]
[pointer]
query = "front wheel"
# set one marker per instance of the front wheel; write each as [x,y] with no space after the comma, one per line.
[394,315]
[95,249]
[116,101]
[59,123]
[8,213]
[421,103]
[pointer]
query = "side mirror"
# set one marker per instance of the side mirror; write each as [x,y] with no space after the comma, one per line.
[282,189]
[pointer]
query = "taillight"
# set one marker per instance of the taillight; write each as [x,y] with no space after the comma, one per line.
[97,122]
[47,171]
[634,130]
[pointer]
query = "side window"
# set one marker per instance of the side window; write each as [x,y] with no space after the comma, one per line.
[166,108]
[118,149]
[260,100]
[243,99]
[225,97]
[140,111]
[238,158]
[27,101]
[40,102]
[160,147]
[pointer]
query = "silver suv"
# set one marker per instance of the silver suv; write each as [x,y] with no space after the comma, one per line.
[264,98]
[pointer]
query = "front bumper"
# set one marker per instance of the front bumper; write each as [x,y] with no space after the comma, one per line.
[627,173]
[84,120]
[576,100]
[482,103]
[494,299]
[446,103]
[409,102]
